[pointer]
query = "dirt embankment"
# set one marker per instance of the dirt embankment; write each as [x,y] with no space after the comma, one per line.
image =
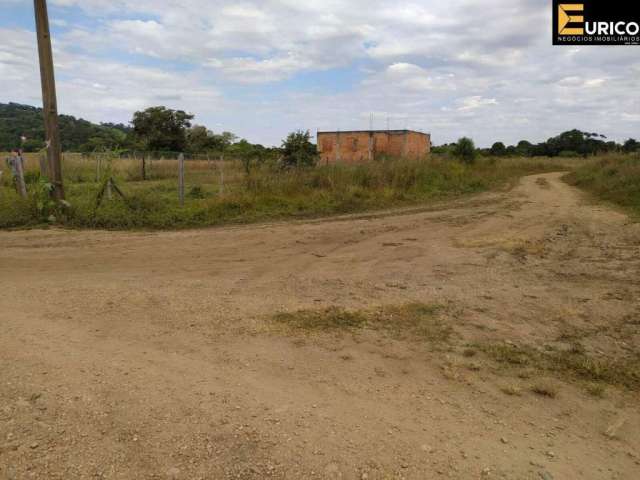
[157,355]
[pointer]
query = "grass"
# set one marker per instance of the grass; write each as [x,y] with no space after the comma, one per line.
[575,363]
[511,390]
[410,321]
[545,388]
[614,178]
[425,322]
[596,390]
[328,319]
[267,193]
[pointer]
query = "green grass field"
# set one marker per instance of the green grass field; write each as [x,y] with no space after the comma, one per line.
[220,193]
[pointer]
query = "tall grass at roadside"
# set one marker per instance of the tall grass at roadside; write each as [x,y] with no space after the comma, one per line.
[268,192]
[614,178]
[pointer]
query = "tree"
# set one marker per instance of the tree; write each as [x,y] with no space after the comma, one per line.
[631,145]
[22,126]
[247,153]
[226,139]
[573,142]
[524,148]
[162,129]
[298,151]
[445,148]
[33,145]
[200,139]
[465,150]
[498,149]
[611,146]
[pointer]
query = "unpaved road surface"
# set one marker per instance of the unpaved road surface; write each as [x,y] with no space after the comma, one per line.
[154,355]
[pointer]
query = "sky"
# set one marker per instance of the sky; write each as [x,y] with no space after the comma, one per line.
[484,69]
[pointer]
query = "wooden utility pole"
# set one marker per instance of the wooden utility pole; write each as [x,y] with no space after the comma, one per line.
[49,101]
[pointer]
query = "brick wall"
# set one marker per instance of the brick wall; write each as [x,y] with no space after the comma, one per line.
[362,146]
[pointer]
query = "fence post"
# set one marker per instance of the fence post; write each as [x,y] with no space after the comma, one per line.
[144,168]
[44,170]
[221,190]
[98,167]
[22,187]
[181,178]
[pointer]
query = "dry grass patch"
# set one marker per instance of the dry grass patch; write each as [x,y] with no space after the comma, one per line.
[412,321]
[545,388]
[518,247]
[511,390]
[327,319]
[596,390]
[573,363]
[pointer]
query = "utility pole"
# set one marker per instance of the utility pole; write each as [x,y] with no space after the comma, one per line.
[49,101]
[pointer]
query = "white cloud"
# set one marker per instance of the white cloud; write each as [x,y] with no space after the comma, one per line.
[474,102]
[250,70]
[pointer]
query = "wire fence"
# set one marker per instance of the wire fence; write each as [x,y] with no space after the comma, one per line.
[160,171]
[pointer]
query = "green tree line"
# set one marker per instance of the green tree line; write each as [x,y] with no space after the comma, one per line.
[156,129]
[572,143]
[161,129]
[21,126]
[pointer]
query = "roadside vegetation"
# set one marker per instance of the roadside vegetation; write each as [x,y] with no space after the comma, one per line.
[614,178]
[127,176]
[226,192]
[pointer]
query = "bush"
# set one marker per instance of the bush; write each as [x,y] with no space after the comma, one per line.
[298,151]
[196,192]
[465,150]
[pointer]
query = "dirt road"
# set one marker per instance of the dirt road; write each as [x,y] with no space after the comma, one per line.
[155,355]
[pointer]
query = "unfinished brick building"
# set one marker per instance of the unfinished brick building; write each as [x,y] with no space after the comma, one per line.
[360,146]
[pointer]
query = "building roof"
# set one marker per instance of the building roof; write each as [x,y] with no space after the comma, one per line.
[393,132]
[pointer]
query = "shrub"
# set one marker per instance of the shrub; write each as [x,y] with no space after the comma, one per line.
[465,150]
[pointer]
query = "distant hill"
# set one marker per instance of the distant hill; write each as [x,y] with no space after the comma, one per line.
[76,134]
